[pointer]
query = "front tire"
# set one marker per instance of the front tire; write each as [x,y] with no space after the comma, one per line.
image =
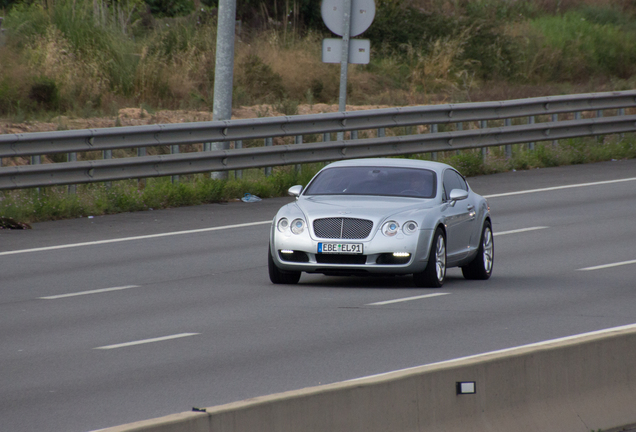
[278,276]
[480,268]
[434,274]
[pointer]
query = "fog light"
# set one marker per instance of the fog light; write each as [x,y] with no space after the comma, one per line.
[287,251]
[401,254]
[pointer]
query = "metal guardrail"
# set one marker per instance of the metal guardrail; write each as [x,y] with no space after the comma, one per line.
[108,139]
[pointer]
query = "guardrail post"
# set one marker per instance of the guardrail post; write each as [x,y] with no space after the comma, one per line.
[326,137]
[36,160]
[354,134]
[531,121]
[621,112]
[107,154]
[381,133]
[600,138]
[299,140]
[141,151]
[72,157]
[434,130]
[174,149]
[268,143]
[555,118]
[483,124]
[508,147]
[459,126]
[238,174]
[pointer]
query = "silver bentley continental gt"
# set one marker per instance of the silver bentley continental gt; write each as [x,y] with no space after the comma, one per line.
[383,216]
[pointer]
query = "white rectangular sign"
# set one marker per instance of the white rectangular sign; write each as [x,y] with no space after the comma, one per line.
[359,51]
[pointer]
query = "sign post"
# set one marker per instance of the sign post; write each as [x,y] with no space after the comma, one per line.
[346,18]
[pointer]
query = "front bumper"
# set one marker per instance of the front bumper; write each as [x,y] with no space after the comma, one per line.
[301,254]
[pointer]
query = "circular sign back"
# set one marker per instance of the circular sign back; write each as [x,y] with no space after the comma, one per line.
[362,14]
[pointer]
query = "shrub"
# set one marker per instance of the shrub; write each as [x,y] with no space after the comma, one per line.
[259,80]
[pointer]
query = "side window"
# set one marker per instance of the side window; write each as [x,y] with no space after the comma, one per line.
[461,182]
[449,183]
[452,180]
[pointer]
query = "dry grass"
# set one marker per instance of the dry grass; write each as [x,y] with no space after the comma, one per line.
[77,78]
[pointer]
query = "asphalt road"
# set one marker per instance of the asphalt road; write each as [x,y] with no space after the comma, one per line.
[165,323]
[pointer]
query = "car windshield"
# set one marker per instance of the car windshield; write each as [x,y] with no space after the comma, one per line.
[383,181]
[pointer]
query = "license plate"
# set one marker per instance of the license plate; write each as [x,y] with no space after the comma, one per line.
[336,248]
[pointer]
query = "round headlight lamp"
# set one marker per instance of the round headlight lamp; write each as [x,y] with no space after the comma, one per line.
[390,228]
[297,226]
[409,227]
[283,224]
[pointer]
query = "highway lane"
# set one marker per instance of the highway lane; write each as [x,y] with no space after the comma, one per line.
[232,335]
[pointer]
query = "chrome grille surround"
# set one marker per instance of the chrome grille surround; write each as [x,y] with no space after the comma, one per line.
[342,228]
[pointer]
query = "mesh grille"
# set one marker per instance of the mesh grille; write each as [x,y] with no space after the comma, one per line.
[342,228]
[340,259]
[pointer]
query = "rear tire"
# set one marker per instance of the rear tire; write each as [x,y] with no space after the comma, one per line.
[434,274]
[278,276]
[480,268]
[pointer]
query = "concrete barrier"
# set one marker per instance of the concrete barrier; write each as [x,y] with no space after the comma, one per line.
[580,383]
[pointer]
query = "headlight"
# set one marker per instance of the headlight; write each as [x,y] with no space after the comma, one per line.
[297,226]
[283,225]
[390,228]
[410,227]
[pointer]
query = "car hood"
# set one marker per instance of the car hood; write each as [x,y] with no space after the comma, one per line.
[375,208]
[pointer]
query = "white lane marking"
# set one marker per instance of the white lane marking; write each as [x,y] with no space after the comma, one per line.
[144,237]
[520,230]
[406,299]
[560,187]
[145,341]
[604,266]
[97,291]
[505,350]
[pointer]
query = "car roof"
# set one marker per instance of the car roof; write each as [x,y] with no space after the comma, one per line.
[390,162]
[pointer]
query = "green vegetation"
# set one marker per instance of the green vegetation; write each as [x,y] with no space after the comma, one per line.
[89,58]
[75,57]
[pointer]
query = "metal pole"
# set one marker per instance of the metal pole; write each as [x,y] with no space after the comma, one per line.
[434,130]
[72,157]
[298,140]
[344,60]
[508,148]
[141,151]
[268,143]
[238,174]
[531,144]
[483,124]
[107,154]
[223,72]
[174,149]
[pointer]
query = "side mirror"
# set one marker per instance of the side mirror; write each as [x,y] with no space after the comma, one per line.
[457,195]
[295,190]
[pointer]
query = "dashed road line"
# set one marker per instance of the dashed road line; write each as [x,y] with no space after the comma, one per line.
[405,299]
[81,293]
[521,230]
[605,266]
[146,341]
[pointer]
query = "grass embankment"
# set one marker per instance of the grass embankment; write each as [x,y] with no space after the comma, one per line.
[81,58]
